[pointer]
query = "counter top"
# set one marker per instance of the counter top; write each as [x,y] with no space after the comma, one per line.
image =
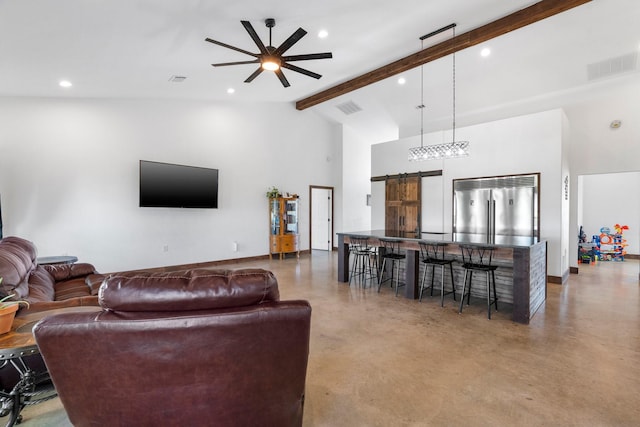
[479,239]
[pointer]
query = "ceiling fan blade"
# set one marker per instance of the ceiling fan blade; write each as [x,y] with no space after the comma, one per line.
[255,74]
[224,64]
[282,78]
[293,38]
[228,46]
[326,55]
[301,70]
[252,33]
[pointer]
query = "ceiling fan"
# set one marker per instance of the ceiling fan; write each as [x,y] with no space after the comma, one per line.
[271,58]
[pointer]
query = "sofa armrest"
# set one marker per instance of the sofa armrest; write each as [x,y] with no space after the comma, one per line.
[62,272]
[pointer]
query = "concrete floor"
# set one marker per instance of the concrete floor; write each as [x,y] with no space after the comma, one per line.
[378,360]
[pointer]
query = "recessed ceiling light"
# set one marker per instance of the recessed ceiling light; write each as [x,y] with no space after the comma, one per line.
[323,34]
[65,83]
[402,81]
[230,90]
[485,52]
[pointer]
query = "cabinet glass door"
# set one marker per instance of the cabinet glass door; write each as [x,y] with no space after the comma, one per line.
[274,206]
[291,217]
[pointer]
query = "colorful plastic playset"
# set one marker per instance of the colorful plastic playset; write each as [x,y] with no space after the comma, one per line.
[606,246]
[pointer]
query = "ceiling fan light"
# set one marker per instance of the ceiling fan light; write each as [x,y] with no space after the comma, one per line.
[271,64]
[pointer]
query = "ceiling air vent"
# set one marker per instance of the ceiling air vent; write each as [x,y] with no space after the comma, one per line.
[612,66]
[177,79]
[349,107]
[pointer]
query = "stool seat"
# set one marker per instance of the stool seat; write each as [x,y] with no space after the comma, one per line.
[480,267]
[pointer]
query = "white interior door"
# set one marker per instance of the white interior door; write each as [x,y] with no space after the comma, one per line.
[321,218]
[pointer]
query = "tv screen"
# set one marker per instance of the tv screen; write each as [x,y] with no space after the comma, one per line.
[177,186]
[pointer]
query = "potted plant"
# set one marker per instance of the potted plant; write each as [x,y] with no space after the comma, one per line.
[273,192]
[8,311]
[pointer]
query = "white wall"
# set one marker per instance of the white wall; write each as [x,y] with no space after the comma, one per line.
[524,144]
[356,176]
[69,175]
[610,199]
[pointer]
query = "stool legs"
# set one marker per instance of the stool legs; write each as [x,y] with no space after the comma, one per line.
[395,265]
[364,266]
[490,283]
[442,292]
[381,274]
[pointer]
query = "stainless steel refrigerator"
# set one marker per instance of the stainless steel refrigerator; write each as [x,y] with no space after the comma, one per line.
[487,209]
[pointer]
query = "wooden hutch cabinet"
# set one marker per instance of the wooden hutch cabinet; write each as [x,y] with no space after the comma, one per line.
[283,223]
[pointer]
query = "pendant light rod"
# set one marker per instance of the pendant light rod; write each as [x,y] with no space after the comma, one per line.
[422,106]
[453,56]
[446,150]
[436,32]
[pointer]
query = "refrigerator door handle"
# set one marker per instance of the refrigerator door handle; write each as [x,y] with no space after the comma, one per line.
[489,215]
[493,221]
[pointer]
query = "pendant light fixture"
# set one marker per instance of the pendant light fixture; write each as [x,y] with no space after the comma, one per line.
[447,150]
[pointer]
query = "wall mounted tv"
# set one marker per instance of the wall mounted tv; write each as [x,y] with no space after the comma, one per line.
[164,185]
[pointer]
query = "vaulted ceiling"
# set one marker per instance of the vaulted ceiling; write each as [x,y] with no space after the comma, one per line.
[131,49]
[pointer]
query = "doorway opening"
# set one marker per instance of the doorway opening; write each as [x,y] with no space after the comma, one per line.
[606,202]
[321,218]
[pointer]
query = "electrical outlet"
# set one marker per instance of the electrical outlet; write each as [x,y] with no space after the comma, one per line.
[165,248]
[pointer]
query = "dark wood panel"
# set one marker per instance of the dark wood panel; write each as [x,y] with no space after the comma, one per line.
[403,203]
[514,21]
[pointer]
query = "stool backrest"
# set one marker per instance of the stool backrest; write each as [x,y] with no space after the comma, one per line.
[477,255]
[391,246]
[432,250]
[359,244]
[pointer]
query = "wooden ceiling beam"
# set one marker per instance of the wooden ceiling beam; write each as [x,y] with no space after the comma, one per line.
[514,21]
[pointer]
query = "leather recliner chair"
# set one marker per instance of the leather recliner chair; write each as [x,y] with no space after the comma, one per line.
[197,347]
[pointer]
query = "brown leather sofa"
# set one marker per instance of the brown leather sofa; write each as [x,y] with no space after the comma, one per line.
[45,287]
[197,347]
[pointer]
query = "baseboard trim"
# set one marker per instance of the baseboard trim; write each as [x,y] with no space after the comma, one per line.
[573,270]
[559,280]
[632,256]
[209,264]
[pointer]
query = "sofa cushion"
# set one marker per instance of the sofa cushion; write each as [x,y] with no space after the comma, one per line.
[197,289]
[17,261]
[40,286]
[73,288]
[62,272]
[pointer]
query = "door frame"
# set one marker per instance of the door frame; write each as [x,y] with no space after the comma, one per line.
[322,187]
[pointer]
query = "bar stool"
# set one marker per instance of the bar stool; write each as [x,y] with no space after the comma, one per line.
[365,260]
[391,251]
[479,258]
[432,254]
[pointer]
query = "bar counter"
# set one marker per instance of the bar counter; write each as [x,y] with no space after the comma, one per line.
[522,264]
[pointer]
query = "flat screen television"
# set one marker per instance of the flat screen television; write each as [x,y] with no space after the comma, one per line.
[165,185]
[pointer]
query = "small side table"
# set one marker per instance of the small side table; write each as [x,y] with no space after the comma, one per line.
[32,388]
[63,259]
